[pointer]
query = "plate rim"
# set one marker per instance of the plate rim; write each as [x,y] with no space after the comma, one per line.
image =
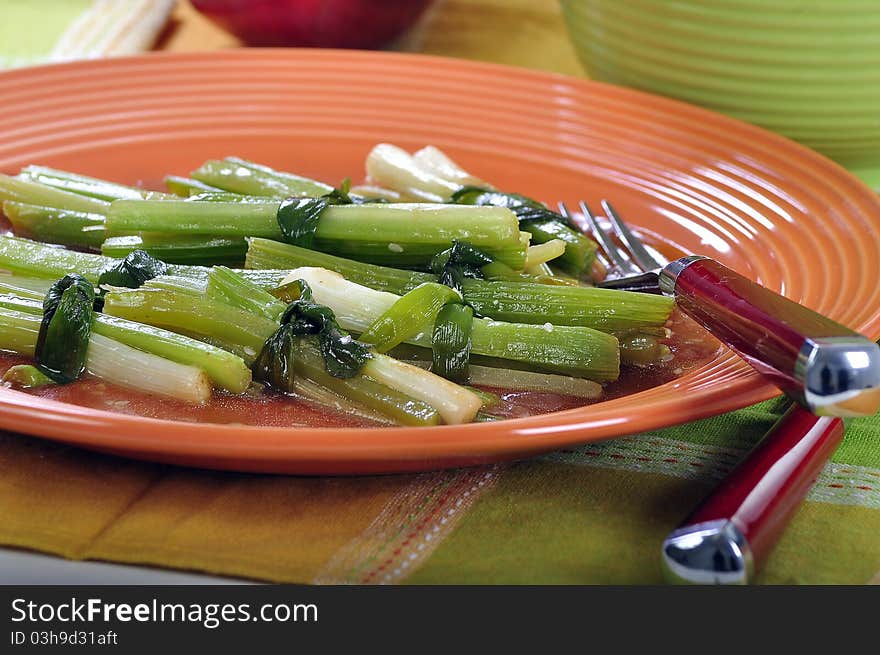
[430,445]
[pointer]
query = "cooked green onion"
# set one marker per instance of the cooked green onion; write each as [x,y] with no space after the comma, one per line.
[364,388]
[400,234]
[245,177]
[187,186]
[415,311]
[601,309]
[86,186]
[455,403]
[227,286]
[135,369]
[64,332]
[67,227]
[179,248]
[26,376]
[226,370]
[33,193]
[113,361]
[451,342]
[577,351]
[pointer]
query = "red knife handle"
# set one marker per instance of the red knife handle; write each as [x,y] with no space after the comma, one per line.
[825,366]
[728,537]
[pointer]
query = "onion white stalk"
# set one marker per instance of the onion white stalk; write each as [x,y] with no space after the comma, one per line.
[129,367]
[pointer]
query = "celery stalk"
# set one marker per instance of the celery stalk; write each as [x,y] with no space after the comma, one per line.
[268,254]
[454,403]
[601,309]
[519,301]
[85,185]
[66,227]
[241,176]
[26,257]
[18,331]
[35,259]
[407,234]
[30,288]
[408,316]
[520,380]
[113,361]
[226,286]
[225,219]
[34,193]
[432,176]
[578,351]
[225,369]
[363,388]
[179,248]
[232,329]
[186,186]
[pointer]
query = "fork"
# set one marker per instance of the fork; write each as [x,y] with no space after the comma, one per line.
[828,369]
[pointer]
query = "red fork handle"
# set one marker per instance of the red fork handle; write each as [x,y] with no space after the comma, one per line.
[825,366]
[728,537]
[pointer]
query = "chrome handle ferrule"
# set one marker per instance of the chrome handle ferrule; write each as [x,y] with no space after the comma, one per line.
[840,375]
[715,552]
[669,273]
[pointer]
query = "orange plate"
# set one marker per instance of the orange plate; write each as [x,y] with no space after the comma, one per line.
[769,208]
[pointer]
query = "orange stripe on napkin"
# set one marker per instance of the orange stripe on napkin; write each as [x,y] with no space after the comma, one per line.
[409,528]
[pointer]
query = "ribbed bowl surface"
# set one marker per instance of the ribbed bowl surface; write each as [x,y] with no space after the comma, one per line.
[808,70]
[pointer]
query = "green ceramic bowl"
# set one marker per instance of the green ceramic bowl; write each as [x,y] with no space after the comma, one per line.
[808,69]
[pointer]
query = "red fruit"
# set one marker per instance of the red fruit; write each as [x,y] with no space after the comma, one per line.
[314,23]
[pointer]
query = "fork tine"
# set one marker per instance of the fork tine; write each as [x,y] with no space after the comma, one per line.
[623,264]
[636,248]
[600,255]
